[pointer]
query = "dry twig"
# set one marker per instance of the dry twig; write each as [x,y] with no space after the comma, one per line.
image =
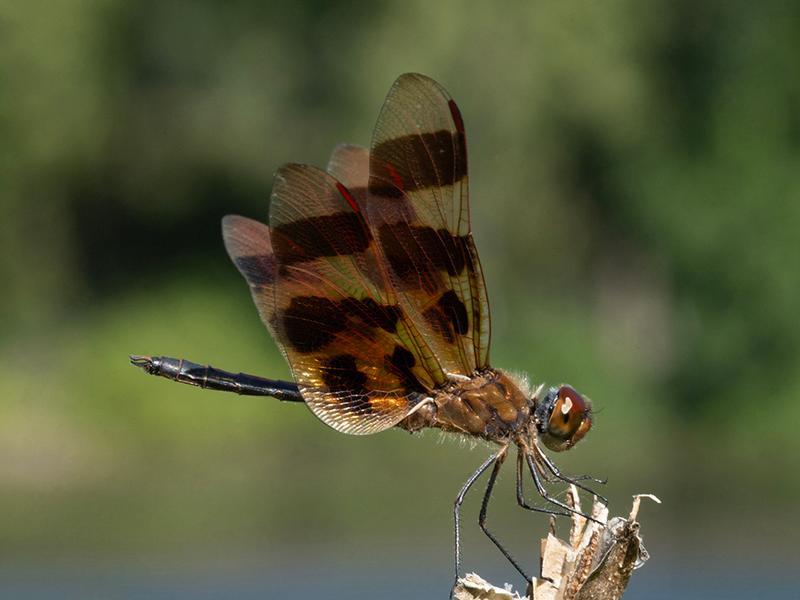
[596,563]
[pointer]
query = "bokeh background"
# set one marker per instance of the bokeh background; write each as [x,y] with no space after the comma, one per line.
[635,176]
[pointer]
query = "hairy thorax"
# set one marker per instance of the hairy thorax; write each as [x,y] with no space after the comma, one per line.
[491,405]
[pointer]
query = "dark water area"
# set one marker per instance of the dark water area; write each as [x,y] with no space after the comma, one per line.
[118,582]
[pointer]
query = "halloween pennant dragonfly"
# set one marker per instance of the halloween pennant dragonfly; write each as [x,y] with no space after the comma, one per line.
[369,281]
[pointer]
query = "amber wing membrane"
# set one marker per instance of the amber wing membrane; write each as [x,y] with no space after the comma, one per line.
[418,209]
[358,363]
[346,400]
[367,276]
[248,242]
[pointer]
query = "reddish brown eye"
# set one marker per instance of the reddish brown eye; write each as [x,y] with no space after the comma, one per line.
[569,419]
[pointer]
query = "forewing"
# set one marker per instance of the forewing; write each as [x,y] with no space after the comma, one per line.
[360,367]
[418,207]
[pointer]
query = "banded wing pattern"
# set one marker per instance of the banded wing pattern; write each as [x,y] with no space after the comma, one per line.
[344,399]
[248,241]
[367,275]
[348,341]
[418,208]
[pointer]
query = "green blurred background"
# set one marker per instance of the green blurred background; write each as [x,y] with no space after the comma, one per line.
[635,183]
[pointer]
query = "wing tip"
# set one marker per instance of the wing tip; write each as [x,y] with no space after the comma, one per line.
[421,80]
[229,221]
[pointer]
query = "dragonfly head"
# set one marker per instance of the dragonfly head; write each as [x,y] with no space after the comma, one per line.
[562,417]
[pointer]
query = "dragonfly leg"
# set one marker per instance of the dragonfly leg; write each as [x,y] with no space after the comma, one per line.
[498,463]
[537,480]
[521,494]
[573,480]
[460,500]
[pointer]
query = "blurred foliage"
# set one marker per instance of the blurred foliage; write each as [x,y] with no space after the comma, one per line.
[635,175]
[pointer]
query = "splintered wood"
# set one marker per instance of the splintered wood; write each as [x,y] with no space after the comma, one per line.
[595,564]
[472,586]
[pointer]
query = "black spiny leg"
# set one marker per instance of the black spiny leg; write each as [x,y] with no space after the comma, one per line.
[537,480]
[521,494]
[573,480]
[460,500]
[501,457]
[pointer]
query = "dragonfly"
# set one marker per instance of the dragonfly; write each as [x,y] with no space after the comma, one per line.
[368,278]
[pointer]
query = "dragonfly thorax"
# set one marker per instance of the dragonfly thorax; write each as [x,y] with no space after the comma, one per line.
[490,405]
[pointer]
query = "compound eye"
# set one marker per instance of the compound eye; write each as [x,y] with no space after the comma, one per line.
[570,419]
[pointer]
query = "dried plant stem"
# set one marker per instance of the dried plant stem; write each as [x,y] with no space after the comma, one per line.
[595,564]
